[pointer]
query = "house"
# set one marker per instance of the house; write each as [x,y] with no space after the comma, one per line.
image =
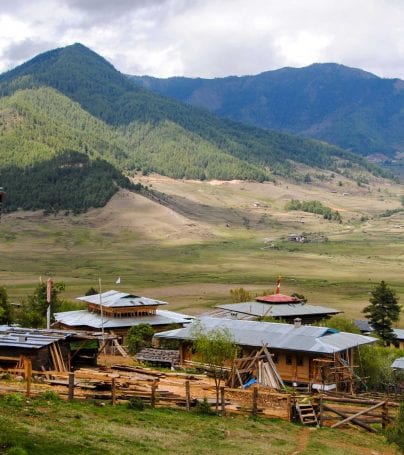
[116,312]
[49,349]
[320,357]
[277,306]
[399,341]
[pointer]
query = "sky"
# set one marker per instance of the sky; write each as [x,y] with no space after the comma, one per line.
[210,38]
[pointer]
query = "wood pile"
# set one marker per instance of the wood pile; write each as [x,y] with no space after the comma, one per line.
[258,367]
[159,356]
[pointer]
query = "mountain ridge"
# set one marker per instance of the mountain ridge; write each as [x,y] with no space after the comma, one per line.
[70,102]
[348,107]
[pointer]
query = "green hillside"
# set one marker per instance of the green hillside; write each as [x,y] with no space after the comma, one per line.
[345,106]
[73,100]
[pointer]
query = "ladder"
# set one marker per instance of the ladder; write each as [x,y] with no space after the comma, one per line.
[306,413]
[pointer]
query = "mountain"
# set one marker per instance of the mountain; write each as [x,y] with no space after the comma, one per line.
[69,109]
[344,106]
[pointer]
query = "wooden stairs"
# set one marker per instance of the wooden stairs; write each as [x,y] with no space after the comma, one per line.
[306,413]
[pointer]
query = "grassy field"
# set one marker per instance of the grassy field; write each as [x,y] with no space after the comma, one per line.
[209,237]
[40,427]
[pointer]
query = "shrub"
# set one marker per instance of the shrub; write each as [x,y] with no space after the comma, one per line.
[395,433]
[136,403]
[204,407]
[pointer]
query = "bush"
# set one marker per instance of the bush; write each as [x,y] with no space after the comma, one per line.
[204,407]
[395,433]
[375,366]
[50,395]
[16,451]
[136,403]
[139,336]
[14,398]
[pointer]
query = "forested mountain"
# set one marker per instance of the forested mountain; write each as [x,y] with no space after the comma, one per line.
[348,107]
[69,109]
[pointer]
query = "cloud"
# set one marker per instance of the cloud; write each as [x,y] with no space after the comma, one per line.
[210,38]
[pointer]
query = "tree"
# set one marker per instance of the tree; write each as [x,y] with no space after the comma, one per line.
[34,307]
[240,295]
[341,323]
[139,336]
[5,307]
[383,311]
[215,348]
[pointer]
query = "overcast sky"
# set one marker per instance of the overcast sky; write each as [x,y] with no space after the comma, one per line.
[210,38]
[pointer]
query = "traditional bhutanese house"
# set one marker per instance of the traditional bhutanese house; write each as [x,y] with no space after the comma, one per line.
[399,341]
[116,312]
[316,356]
[49,349]
[279,306]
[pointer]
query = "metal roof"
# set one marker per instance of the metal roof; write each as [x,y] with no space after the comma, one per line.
[30,338]
[399,333]
[259,309]
[116,299]
[398,364]
[279,336]
[363,325]
[85,318]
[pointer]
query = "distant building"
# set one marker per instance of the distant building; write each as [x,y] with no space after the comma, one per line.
[279,306]
[116,312]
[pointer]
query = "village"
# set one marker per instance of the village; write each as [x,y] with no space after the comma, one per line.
[282,361]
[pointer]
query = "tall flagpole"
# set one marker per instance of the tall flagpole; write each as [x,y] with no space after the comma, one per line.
[48,299]
[102,313]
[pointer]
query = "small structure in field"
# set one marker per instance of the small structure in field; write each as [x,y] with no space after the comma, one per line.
[319,357]
[48,349]
[116,312]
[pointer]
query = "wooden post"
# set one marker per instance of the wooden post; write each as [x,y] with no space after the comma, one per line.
[28,375]
[71,386]
[321,411]
[187,395]
[113,391]
[385,415]
[255,401]
[222,401]
[153,395]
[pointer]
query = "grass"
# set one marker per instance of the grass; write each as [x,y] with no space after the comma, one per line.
[45,427]
[193,262]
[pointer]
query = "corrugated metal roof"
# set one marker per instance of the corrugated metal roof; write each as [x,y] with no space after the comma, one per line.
[279,336]
[398,364]
[278,310]
[363,325]
[399,333]
[30,338]
[85,318]
[116,299]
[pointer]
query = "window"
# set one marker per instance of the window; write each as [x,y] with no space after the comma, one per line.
[288,360]
[300,361]
[275,358]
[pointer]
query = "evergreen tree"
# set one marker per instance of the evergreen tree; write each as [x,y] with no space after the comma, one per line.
[383,311]
[5,308]
[34,308]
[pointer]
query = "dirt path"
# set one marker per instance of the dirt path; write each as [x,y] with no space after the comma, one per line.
[302,441]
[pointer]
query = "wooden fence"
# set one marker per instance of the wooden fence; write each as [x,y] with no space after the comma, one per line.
[116,386]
